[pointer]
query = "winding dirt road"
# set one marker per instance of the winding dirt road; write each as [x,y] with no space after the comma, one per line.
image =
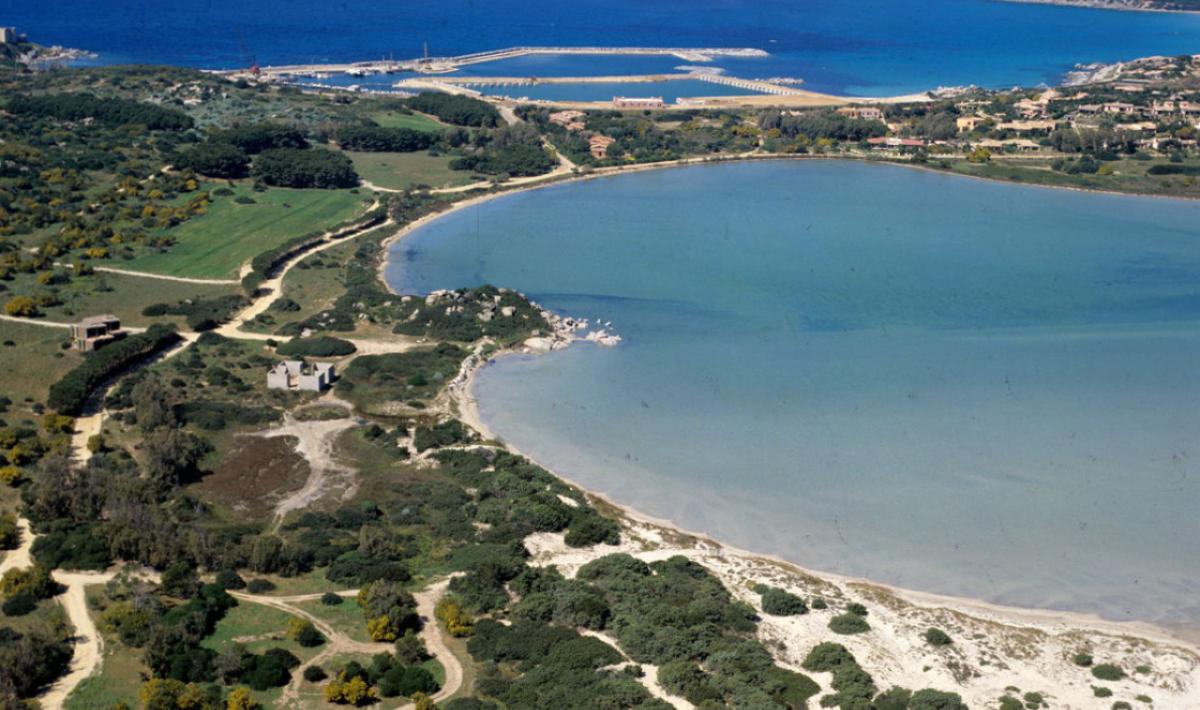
[338,643]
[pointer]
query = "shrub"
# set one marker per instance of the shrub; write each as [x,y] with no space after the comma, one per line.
[819,603]
[260,586]
[937,637]
[1101,692]
[304,633]
[1083,659]
[856,609]
[928,699]
[230,579]
[323,346]
[848,624]
[588,530]
[827,657]
[1108,671]
[778,602]
[315,674]
[21,307]
[332,599]
[19,604]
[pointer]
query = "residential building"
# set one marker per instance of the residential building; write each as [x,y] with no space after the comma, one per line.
[598,145]
[894,143]
[92,332]
[569,120]
[8,34]
[868,113]
[1046,125]
[968,123]
[299,375]
[1020,145]
[634,102]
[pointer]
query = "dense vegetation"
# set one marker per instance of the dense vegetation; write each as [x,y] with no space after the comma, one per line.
[323,346]
[296,167]
[70,394]
[379,139]
[469,314]
[110,111]
[455,109]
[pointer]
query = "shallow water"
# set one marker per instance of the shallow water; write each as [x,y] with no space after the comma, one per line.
[952,385]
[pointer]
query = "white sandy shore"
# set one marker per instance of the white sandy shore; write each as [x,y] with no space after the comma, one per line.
[995,647]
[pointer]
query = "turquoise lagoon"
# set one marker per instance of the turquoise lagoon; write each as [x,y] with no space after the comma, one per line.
[947,384]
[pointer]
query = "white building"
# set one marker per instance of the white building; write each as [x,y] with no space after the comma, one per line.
[298,375]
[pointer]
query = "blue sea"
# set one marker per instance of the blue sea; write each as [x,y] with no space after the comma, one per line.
[948,384]
[869,47]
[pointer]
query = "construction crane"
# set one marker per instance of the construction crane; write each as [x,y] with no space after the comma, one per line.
[248,59]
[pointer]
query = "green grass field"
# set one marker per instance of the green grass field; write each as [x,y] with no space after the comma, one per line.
[33,362]
[415,121]
[346,617]
[1128,176]
[217,244]
[400,170]
[119,294]
[121,675]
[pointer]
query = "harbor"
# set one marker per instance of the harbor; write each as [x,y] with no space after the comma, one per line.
[695,83]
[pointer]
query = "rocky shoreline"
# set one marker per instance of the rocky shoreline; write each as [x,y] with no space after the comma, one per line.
[1127,5]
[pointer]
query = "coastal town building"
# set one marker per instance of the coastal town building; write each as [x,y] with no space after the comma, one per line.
[967,124]
[8,35]
[299,375]
[1043,126]
[95,331]
[1017,145]
[895,144]
[868,113]
[570,120]
[634,102]
[598,145]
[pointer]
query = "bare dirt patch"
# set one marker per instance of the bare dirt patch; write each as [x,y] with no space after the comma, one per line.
[256,473]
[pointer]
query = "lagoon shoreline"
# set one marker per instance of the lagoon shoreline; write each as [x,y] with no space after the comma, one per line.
[731,563]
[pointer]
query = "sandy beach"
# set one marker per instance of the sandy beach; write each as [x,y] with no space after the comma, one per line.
[995,647]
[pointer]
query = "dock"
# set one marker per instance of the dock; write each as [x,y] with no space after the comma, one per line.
[440,65]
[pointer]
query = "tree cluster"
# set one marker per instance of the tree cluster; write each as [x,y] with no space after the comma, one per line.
[455,109]
[296,167]
[111,111]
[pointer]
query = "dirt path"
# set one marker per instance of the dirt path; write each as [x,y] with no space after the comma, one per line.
[338,643]
[163,277]
[649,680]
[272,288]
[19,558]
[36,321]
[315,442]
[435,640]
[89,644]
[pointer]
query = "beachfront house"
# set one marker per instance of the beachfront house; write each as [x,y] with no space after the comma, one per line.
[302,376]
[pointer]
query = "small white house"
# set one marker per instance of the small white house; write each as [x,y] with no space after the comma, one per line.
[298,375]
